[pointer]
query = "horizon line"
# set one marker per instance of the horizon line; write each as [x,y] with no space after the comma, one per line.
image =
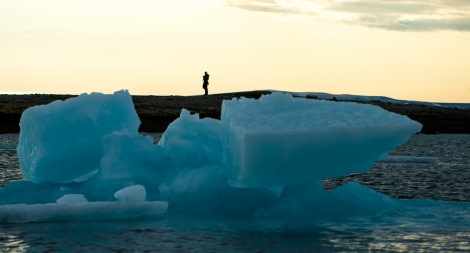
[291,92]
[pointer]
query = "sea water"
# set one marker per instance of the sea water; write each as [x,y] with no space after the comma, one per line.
[443,175]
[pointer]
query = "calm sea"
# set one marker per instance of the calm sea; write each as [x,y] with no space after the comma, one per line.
[443,175]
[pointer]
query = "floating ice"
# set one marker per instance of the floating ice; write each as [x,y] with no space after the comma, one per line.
[281,140]
[264,157]
[131,193]
[90,211]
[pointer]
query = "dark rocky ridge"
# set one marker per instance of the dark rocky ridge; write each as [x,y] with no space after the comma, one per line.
[156,112]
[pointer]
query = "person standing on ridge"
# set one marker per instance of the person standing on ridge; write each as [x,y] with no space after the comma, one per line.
[205,83]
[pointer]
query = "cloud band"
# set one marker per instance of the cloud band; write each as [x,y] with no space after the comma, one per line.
[403,15]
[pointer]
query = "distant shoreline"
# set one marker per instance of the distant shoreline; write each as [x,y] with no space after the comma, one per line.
[156,112]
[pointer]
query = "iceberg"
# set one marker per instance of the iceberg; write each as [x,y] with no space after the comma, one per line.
[265,157]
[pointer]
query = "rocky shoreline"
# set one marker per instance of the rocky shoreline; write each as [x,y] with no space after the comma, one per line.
[156,112]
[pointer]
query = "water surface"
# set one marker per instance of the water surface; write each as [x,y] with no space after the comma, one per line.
[439,228]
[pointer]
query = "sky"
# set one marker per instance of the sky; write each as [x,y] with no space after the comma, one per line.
[404,49]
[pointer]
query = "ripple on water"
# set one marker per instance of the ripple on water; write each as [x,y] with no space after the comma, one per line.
[446,230]
[445,180]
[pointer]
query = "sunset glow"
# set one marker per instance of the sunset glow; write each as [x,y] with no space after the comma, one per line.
[416,50]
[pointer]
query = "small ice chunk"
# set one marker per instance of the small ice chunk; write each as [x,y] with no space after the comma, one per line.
[133,193]
[72,199]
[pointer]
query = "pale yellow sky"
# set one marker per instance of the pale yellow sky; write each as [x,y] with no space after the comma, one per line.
[415,50]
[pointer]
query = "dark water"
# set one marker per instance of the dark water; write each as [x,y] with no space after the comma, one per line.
[9,164]
[448,179]
[443,228]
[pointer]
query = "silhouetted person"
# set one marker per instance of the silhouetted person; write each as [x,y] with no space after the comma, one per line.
[205,83]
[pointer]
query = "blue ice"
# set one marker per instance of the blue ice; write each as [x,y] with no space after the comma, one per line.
[264,158]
